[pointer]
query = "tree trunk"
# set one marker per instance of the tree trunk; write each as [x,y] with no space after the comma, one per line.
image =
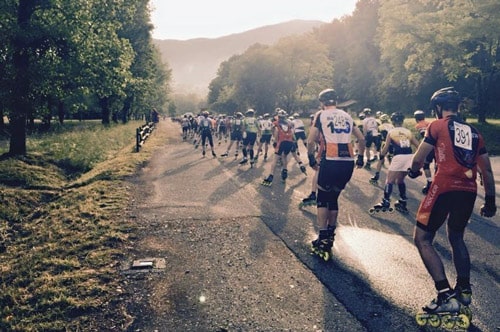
[105,112]
[20,100]
[60,112]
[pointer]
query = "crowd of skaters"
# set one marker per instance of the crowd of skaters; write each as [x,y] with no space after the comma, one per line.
[336,144]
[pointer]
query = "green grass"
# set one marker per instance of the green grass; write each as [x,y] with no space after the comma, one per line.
[61,236]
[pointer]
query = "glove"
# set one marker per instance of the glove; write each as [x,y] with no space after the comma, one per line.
[414,174]
[359,161]
[489,208]
[312,160]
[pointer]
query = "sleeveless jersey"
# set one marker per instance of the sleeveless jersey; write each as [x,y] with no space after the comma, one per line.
[205,124]
[299,126]
[250,124]
[400,140]
[266,126]
[335,127]
[285,131]
[456,146]
[370,126]
[236,124]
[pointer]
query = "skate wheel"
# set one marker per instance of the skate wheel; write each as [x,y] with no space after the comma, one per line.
[447,322]
[372,211]
[421,320]
[467,312]
[434,320]
[463,321]
[390,210]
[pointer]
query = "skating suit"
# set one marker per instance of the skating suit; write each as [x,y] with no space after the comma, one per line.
[457,146]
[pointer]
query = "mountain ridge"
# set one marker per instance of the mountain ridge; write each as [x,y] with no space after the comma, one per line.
[194,62]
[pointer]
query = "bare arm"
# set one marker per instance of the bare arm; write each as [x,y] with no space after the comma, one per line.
[484,165]
[361,140]
[418,159]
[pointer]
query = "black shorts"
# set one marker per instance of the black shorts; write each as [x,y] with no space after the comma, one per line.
[457,206]
[266,138]
[335,174]
[236,136]
[250,139]
[285,147]
[300,135]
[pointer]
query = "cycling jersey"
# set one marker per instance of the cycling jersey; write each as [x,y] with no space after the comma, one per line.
[335,127]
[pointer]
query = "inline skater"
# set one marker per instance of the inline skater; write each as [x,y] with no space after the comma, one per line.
[284,143]
[452,194]
[333,128]
[236,128]
[250,128]
[400,140]
[299,131]
[372,136]
[266,133]
[206,126]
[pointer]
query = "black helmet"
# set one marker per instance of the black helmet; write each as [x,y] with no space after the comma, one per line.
[448,98]
[397,117]
[328,97]
[419,115]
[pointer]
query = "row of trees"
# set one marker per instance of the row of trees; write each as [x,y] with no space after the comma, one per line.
[76,57]
[388,55]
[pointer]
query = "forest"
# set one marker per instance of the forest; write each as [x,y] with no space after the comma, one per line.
[96,59]
[388,55]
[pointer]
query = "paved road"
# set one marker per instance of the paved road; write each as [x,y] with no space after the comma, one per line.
[237,253]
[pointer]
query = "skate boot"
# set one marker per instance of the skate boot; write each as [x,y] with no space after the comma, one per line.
[464,296]
[203,153]
[303,169]
[383,206]
[425,189]
[225,154]
[267,181]
[252,162]
[368,165]
[374,179]
[401,206]
[444,311]
[213,154]
[322,246]
[309,200]
[236,155]
[284,174]
[265,157]
[243,161]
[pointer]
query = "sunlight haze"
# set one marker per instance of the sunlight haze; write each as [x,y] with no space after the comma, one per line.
[188,19]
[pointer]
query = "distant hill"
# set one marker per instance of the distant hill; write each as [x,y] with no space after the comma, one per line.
[195,62]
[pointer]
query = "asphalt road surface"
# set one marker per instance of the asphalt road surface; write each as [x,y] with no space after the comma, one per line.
[238,259]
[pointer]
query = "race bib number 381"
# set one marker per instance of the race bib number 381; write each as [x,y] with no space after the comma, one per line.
[463,136]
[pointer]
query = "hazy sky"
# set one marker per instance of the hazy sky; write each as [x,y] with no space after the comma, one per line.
[187,19]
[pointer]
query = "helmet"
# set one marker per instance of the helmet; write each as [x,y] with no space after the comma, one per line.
[447,98]
[295,115]
[384,118]
[282,113]
[266,115]
[378,114]
[419,115]
[239,114]
[328,97]
[367,111]
[311,116]
[397,117]
[204,113]
[276,110]
[250,111]
[361,116]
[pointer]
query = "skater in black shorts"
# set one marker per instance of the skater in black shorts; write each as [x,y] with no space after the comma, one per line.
[451,198]
[332,129]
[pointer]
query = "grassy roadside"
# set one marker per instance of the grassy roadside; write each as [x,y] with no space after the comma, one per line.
[61,234]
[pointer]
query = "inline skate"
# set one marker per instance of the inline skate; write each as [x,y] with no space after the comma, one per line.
[322,246]
[243,161]
[308,201]
[400,206]
[425,189]
[267,181]
[303,169]
[464,296]
[374,179]
[384,206]
[284,174]
[445,311]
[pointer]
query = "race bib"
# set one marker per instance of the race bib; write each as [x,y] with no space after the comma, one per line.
[463,136]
